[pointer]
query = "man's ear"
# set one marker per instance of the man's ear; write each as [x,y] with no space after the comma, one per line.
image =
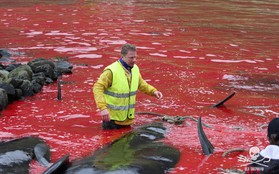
[273,139]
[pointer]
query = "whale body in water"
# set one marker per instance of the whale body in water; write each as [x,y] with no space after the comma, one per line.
[137,152]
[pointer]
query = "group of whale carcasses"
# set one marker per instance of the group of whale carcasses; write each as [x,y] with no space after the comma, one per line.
[137,152]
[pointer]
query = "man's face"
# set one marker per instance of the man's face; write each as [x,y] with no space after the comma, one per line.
[130,58]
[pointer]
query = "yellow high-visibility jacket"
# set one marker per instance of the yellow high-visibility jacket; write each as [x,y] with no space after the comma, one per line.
[116,89]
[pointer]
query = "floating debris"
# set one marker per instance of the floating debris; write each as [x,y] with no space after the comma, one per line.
[263,126]
[172,119]
[232,150]
[236,127]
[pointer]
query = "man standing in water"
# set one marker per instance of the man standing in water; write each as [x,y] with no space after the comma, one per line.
[115,90]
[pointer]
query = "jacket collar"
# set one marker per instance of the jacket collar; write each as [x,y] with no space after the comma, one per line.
[271,151]
[125,64]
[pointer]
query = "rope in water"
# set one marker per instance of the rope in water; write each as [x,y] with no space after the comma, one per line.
[232,150]
[262,126]
[172,119]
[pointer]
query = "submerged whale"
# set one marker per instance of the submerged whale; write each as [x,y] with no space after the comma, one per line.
[138,152]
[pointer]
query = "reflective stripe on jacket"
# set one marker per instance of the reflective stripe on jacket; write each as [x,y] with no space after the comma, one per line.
[121,96]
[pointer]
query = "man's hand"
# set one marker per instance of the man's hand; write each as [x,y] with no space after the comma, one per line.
[105,115]
[158,94]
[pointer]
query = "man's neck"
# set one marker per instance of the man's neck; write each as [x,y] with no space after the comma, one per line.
[125,64]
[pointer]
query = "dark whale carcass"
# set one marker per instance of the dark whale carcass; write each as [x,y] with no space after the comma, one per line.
[16,155]
[138,152]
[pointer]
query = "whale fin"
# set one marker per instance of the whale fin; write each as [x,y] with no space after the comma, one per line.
[207,147]
[41,152]
[223,101]
[55,167]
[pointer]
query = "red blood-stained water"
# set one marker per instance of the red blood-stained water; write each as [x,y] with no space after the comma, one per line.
[195,52]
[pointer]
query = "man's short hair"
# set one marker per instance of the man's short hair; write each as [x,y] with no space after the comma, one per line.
[127,47]
[273,127]
[273,131]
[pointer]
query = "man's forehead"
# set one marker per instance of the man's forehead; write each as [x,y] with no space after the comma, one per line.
[131,53]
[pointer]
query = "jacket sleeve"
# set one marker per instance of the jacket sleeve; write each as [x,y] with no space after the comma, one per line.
[145,87]
[104,81]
